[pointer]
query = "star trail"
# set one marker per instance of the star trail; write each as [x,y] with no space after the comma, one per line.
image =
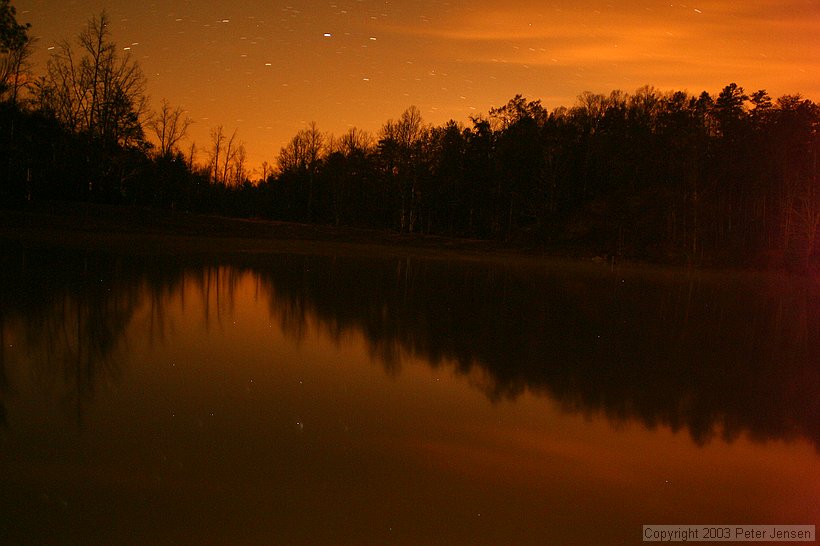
[269,69]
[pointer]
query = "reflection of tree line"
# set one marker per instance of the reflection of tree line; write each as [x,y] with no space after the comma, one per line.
[67,318]
[708,354]
[71,312]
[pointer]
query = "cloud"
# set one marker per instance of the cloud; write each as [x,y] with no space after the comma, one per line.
[707,42]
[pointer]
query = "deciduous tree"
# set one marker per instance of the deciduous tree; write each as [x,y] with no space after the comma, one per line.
[170,126]
[93,90]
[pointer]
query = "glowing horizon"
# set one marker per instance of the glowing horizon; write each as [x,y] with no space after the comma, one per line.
[269,70]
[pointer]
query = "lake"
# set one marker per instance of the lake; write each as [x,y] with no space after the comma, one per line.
[296,399]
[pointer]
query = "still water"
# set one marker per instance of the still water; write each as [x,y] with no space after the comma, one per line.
[325,400]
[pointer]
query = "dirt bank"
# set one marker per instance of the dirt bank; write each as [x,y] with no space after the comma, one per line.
[131,230]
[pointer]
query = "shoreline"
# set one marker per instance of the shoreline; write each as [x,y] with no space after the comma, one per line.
[133,231]
[130,230]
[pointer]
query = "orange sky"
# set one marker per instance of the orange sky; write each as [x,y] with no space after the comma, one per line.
[269,68]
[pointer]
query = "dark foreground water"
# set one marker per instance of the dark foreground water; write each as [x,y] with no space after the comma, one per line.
[320,400]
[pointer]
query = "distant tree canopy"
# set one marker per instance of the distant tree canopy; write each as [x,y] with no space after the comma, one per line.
[660,175]
[667,176]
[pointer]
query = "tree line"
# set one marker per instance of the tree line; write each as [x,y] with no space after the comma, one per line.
[84,130]
[665,175]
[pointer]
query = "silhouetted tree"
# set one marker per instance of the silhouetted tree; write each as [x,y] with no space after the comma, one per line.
[16,48]
[170,126]
[97,93]
[298,166]
[15,52]
[12,33]
[348,176]
[231,147]
[446,191]
[217,143]
[795,143]
[399,149]
[481,175]
[521,155]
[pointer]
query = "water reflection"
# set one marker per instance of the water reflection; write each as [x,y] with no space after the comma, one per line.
[713,354]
